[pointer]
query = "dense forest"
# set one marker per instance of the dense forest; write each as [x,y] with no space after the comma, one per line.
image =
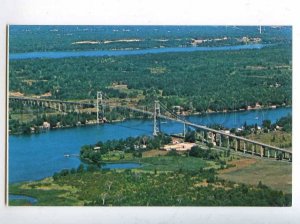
[76,38]
[131,188]
[197,81]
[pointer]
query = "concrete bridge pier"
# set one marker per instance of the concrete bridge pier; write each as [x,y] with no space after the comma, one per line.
[202,136]
[52,105]
[220,140]
[262,150]
[275,154]
[56,106]
[64,107]
[76,108]
[235,145]
[59,107]
[244,147]
[268,153]
[71,108]
[214,138]
[228,143]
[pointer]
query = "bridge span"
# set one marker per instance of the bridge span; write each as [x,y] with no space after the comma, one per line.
[60,105]
[238,143]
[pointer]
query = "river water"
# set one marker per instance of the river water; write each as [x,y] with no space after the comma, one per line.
[102,53]
[33,157]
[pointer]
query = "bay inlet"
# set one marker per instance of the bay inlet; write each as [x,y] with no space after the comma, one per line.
[34,157]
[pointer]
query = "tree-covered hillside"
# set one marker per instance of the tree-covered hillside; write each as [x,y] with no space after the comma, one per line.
[195,80]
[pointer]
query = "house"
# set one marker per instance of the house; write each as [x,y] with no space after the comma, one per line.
[257,106]
[184,146]
[46,125]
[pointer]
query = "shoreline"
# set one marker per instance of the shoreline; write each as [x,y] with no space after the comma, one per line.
[184,115]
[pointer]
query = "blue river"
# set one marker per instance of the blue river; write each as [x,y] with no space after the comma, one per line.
[33,157]
[102,53]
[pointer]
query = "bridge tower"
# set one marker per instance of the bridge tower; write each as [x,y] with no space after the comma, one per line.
[99,104]
[156,114]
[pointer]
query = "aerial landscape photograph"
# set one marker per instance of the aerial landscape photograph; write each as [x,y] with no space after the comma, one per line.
[145,115]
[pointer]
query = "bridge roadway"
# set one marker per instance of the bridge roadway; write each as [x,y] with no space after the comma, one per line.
[213,130]
[204,128]
[74,103]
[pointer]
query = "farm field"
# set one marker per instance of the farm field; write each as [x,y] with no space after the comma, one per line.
[277,175]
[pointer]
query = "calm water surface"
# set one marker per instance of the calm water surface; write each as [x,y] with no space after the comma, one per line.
[102,53]
[38,156]
[31,200]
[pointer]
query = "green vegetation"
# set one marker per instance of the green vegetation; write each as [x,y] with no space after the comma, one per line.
[174,163]
[191,81]
[274,174]
[279,138]
[56,120]
[283,124]
[129,188]
[164,179]
[214,79]
[278,133]
[93,153]
[22,119]
[78,38]
[186,82]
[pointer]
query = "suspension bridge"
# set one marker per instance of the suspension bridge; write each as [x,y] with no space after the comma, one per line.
[161,111]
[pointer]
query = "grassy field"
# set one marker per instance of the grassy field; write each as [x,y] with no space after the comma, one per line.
[275,174]
[160,161]
[279,138]
[173,163]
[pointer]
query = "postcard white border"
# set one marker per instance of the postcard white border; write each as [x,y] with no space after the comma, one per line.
[154,12]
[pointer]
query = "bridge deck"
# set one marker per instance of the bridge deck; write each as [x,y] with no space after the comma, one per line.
[51,100]
[214,131]
[161,116]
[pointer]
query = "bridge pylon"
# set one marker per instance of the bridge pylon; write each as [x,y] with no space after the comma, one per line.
[156,122]
[99,104]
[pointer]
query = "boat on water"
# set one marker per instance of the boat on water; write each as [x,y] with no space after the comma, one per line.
[71,155]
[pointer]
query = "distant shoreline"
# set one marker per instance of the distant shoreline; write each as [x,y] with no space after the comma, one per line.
[125,119]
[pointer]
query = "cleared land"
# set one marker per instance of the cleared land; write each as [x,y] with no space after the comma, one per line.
[274,174]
